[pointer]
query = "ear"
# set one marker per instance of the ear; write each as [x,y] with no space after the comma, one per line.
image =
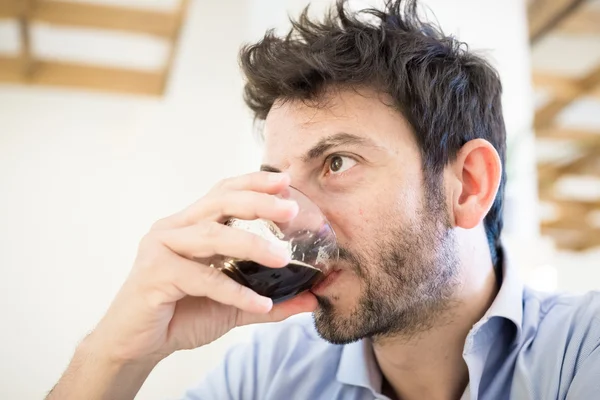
[476,175]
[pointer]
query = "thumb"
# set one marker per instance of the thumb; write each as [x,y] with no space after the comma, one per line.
[305,302]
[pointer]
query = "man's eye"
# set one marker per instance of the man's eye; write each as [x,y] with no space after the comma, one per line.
[339,164]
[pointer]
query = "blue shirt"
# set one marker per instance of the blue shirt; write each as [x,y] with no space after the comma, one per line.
[529,345]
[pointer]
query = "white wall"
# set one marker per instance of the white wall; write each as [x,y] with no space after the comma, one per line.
[577,272]
[82,177]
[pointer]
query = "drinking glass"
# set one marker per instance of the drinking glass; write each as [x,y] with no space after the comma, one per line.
[310,240]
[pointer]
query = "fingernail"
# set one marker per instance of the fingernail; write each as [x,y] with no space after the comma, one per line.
[275,177]
[281,250]
[264,302]
[291,204]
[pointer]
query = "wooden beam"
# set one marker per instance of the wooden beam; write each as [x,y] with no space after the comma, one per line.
[181,14]
[559,86]
[584,21]
[11,70]
[572,229]
[98,16]
[569,224]
[548,173]
[587,164]
[590,82]
[576,167]
[572,239]
[595,93]
[166,25]
[11,9]
[544,15]
[571,211]
[546,115]
[52,73]
[25,36]
[568,134]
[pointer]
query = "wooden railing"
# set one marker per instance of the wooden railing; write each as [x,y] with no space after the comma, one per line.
[573,226]
[27,68]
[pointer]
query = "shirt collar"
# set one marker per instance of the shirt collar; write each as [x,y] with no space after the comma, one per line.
[508,303]
[359,367]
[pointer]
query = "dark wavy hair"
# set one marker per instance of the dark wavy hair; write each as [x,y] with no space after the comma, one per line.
[448,94]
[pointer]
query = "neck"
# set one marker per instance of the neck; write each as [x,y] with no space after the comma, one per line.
[430,365]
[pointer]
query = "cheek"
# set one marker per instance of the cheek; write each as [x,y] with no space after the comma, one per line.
[351,223]
[407,204]
[356,221]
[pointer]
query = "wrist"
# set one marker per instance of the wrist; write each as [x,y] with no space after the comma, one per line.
[96,374]
[113,351]
[103,352]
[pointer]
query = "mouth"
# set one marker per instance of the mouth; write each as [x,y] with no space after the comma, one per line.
[326,282]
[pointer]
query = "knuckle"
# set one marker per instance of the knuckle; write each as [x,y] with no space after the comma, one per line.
[272,201]
[226,203]
[150,250]
[212,276]
[241,292]
[152,291]
[196,212]
[264,204]
[149,241]
[160,224]
[158,280]
[254,201]
[223,184]
[154,298]
[210,229]
[145,279]
[146,282]
[167,273]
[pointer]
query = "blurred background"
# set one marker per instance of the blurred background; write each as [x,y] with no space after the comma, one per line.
[116,113]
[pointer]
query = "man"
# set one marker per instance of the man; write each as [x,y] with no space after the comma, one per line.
[396,132]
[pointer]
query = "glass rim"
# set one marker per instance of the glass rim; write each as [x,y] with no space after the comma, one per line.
[326,222]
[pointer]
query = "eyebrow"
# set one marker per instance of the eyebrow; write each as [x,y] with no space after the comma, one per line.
[325,144]
[269,168]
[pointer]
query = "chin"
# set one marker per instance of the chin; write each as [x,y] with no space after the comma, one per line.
[338,305]
[332,332]
[334,320]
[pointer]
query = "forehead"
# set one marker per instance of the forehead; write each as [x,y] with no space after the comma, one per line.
[292,128]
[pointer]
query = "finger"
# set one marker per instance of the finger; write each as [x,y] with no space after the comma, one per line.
[261,182]
[198,280]
[244,205]
[305,302]
[206,239]
[240,204]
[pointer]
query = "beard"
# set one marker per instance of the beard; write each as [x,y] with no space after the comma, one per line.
[410,283]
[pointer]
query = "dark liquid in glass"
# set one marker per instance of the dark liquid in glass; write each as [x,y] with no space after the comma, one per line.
[279,284]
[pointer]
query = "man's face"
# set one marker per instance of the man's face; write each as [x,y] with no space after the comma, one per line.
[357,159]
